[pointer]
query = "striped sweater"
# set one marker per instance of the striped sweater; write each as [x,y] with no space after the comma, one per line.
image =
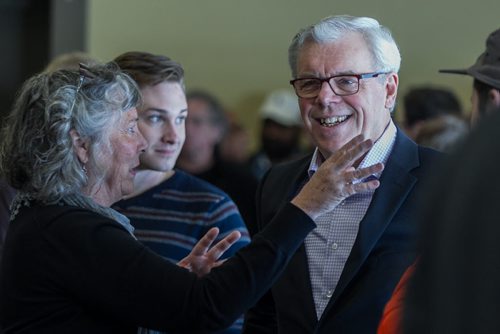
[171,217]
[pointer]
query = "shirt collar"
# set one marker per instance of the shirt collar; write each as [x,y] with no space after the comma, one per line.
[378,153]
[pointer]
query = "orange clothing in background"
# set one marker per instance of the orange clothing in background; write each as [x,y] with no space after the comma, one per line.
[393,311]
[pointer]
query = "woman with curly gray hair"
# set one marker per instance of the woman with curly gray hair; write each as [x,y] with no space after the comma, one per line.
[72,265]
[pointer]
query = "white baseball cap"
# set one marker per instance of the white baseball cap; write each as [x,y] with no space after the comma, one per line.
[282,107]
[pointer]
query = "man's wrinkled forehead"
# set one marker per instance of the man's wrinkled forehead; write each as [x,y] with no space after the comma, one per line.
[348,55]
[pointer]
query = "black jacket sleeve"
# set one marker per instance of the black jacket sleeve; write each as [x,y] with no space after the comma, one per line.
[113,274]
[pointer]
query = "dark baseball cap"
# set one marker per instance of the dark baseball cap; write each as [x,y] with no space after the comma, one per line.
[487,66]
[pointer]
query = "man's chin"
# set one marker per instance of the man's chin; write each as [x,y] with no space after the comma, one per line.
[164,168]
[159,166]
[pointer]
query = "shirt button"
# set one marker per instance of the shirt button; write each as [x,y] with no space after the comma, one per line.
[329,294]
[335,246]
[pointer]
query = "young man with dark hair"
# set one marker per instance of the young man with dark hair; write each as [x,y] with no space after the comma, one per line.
[170,209]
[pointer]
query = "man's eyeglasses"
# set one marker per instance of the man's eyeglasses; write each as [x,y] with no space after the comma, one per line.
[341,85]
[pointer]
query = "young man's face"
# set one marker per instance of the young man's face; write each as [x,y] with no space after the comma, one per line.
[162,122]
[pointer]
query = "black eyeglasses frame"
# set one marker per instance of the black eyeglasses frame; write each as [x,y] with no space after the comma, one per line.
[328,80]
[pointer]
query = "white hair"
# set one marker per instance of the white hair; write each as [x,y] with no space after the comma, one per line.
[385,52]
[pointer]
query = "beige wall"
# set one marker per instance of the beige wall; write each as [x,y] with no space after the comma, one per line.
[237,49]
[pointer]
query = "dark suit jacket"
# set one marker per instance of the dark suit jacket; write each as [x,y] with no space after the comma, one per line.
[384,248]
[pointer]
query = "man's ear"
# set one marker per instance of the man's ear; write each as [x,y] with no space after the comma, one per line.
[494,97]
[391,86]
[80,146]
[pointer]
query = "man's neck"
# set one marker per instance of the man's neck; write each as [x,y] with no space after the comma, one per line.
[147,179]
[196,165]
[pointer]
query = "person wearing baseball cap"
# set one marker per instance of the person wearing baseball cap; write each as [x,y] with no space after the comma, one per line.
[281,130]
[486,74]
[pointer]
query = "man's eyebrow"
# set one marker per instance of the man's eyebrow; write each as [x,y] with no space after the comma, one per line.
[164,111]
[306,75]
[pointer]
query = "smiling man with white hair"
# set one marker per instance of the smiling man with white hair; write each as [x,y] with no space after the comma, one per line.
[345,75]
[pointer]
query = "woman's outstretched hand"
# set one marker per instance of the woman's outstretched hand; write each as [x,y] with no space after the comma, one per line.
[203,258]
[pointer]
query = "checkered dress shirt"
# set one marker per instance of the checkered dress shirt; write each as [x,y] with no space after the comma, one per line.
[329,245]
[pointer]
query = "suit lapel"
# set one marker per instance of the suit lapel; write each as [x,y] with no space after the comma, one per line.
[395,184]
[298,179]
[297,272]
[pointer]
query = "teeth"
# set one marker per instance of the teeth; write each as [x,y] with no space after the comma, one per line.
[331,121]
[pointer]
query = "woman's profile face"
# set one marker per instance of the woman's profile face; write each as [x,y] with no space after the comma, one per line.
[121,162]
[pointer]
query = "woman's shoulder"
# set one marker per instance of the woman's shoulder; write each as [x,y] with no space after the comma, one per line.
[64,218]
[60,211]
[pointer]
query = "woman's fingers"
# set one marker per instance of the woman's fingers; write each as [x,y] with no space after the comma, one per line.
[205,242]
[222,246]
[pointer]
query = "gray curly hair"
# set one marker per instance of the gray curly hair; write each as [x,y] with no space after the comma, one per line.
[36,150]
[384,49]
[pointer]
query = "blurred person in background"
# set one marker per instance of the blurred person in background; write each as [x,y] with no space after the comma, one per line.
[443,133]
[421,314]
[206,125]
[280,133]
[455,288]
[235,144]
[422,104]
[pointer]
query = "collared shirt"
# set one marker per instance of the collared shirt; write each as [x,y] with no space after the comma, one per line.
[328,246]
